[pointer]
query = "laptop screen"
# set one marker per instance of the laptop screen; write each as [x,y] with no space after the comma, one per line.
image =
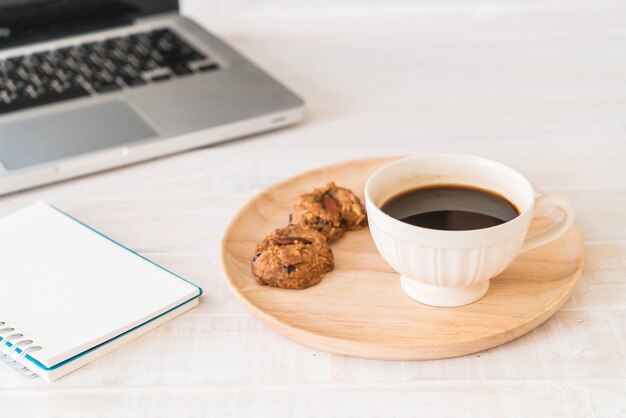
[24,21]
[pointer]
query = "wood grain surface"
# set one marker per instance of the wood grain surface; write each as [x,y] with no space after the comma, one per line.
[359,309]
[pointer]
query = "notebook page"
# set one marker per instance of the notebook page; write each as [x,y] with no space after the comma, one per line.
[68,288]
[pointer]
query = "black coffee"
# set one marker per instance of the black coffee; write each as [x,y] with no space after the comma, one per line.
[450,208]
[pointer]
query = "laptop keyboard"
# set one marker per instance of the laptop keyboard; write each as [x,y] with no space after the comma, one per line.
[97,67]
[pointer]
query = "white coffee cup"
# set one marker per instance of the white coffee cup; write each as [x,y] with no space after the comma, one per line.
[453,268]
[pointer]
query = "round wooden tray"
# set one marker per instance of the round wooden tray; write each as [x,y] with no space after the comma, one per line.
[359,309]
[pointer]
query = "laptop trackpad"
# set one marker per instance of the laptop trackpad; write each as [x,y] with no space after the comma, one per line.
[64,134]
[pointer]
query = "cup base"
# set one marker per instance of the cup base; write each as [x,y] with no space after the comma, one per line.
[443,296]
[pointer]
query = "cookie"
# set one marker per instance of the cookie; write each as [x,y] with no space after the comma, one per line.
[353,215]
[292,258]
[329,210]
[318,211]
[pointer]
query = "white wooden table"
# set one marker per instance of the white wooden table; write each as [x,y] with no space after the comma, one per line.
[541,88]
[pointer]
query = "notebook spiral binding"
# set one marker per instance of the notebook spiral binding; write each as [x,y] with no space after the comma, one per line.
[10,355]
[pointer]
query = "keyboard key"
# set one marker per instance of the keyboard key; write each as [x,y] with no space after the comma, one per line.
[181,69]
[133,81]
[104,86]
[208,67]
[160,78]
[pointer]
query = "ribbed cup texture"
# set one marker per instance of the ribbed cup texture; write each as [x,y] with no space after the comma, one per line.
[457,267]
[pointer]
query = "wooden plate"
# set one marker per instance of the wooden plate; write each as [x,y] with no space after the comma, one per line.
[359,309]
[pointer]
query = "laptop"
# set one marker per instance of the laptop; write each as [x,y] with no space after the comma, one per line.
[87,85]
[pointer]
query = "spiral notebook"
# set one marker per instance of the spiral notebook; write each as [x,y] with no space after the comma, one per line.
[69,294]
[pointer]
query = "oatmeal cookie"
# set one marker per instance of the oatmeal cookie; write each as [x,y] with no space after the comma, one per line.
[318,211]
[330,210]
[353,215]
[292,258]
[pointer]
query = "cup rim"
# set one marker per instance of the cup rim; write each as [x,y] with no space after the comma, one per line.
[506,225]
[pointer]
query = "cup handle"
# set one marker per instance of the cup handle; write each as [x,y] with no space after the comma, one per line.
[558,229]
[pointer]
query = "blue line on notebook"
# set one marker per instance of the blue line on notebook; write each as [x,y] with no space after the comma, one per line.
[64,362]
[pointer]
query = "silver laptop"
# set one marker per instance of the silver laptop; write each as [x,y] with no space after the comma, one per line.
[86,85]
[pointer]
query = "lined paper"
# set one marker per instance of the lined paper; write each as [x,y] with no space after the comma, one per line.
[68,288]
